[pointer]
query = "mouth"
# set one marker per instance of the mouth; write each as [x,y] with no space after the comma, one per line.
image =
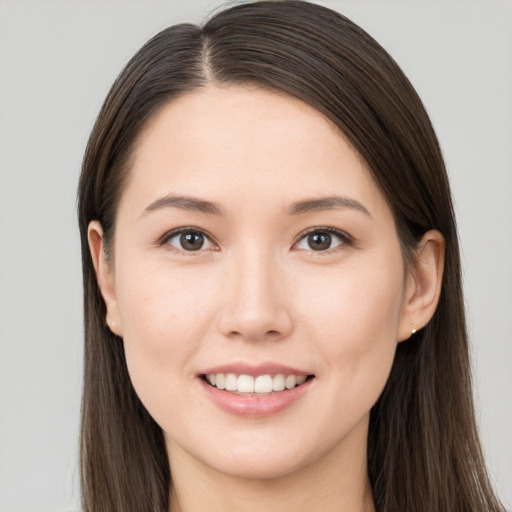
[255,385]
[256,390]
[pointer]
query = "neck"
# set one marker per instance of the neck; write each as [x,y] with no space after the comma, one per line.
[336,481]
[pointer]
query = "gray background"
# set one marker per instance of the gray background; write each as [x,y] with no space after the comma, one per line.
[57,61]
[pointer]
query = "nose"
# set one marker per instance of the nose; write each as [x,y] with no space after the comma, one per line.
[257,304]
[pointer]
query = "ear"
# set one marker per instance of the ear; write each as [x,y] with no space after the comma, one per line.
[423,284]
[105,276]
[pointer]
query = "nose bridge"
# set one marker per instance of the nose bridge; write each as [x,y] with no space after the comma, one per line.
[256,306]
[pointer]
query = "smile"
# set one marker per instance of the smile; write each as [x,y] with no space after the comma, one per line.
[255,391]
[260,385]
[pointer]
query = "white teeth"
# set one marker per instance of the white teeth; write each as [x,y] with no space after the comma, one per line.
[220,379]
[245,384]
[290,382]
[261,385]
[278,382]
[301,379]
[231,382]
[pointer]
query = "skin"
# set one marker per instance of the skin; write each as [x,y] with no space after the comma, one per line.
[258,292]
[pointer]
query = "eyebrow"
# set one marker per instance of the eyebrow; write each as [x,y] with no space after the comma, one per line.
[326,203]
[194,204]
[191,204]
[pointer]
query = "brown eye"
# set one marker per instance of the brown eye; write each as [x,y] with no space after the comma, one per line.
[323,240]
[319,241]
[189,241]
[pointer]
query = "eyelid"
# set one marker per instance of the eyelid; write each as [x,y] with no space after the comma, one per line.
[346,239]
[186,229]
[342,235]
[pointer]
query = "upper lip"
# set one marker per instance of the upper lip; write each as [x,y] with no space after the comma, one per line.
[255,370]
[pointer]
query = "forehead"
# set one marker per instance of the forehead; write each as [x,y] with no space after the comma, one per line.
[238,144]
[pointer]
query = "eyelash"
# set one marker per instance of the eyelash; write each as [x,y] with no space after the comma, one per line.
[346,240]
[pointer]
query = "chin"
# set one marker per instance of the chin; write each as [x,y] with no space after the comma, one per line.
[261,468]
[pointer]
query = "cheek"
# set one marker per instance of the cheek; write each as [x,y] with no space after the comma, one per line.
[355,301]
[165,315]
[159,298]
[354,320]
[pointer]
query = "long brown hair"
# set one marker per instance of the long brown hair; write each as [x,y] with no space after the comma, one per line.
[423,449]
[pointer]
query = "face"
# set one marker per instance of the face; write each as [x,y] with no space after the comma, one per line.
[254,250]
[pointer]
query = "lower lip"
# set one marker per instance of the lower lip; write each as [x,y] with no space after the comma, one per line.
[255,406]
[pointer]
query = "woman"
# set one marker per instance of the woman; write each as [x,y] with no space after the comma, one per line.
[273,306]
